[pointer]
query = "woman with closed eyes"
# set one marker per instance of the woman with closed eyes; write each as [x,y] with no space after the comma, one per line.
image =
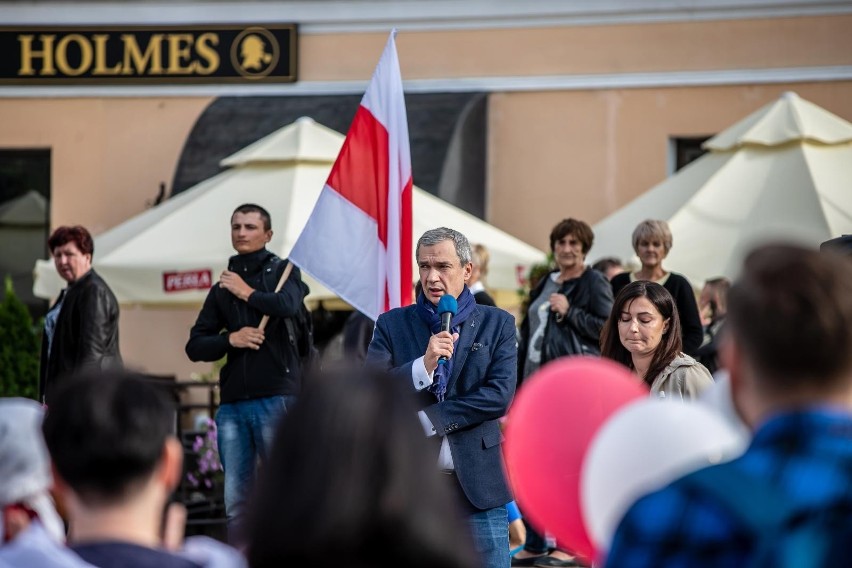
[643,334]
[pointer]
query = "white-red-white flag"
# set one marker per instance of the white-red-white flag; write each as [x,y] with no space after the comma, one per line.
[357,241]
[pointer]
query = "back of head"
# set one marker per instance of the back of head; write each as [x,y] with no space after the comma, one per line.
[24,463]
[716,295]
[25,478]
[352,475]
[106,431]
[480,259]
[791,313]
[841,245]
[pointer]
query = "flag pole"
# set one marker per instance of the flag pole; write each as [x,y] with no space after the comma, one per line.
[284,276]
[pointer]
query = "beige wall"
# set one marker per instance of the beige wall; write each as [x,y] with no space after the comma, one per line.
[153,339]
[108,155]
[584,154]
[653,47]
[551,154]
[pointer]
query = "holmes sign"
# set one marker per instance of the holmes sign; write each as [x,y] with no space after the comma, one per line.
[126,55]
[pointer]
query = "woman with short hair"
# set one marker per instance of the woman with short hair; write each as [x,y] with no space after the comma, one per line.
[81,328]
[652,241]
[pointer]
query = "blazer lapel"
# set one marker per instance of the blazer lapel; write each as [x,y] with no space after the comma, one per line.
[469,331]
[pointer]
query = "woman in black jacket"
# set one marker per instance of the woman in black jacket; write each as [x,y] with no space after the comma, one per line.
[565,314]
[81,328]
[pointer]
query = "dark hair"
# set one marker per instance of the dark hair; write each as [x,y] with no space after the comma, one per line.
[719,302]
[841,245]
[791,312]
[105,431]
[580,229]
[605,263]
[671,344]
[352,475]
[253,208]
[77,234]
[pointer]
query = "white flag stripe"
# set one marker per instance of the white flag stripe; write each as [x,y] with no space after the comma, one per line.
[371,276]
[352,250]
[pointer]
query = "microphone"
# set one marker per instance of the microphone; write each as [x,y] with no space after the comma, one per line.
[447,308]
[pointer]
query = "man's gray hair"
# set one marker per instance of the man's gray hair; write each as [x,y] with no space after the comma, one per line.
[435,236]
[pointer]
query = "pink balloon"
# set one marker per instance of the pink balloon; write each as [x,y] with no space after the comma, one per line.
[549,427]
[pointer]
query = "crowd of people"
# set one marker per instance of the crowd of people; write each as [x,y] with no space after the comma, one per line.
[393,455]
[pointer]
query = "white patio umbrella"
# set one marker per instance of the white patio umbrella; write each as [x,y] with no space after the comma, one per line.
[284,172]
[783,172]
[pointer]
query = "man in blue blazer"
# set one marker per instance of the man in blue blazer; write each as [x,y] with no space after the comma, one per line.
[463,398]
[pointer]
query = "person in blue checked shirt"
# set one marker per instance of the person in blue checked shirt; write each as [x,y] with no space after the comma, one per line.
[788,349]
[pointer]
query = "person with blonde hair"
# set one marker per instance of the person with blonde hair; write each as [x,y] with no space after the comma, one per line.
[478,274]
[652,241]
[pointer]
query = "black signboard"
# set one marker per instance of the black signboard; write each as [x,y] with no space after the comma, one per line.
[120,55]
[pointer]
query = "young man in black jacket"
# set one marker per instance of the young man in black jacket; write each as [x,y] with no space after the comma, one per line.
[262,376]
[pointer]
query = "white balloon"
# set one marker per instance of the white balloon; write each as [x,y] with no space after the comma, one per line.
[644,446]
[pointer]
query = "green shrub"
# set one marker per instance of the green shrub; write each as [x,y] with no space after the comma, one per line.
[19,347]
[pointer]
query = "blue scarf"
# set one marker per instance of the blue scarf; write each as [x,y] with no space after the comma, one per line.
[429,314]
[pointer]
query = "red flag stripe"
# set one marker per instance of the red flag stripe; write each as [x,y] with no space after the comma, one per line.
[406,244]
[360,173]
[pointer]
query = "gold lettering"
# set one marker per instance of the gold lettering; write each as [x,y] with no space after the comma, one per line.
[136,61]
[179,50]
[100,57]
[27,55]
[207,53]
[62,55]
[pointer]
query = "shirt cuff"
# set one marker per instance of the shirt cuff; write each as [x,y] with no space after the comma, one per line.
[428,428]
[419,376]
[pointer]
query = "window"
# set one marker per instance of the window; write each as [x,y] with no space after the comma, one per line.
[684,150]
[24,220]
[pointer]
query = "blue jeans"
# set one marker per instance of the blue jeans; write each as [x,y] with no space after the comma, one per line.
[490,529]
[245,432]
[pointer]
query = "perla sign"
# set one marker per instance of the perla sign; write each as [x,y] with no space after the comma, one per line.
[122,55]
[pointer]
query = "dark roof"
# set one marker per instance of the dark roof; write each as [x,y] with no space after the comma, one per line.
[231,123]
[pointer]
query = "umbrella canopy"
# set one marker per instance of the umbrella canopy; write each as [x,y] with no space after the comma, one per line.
[783,172]
[169,253]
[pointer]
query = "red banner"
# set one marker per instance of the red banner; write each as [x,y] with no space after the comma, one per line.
[189,280]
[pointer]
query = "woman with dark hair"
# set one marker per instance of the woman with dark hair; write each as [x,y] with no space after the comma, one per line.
[565,313]
[351,481]
[643,334]
[81,328]
[652,241]
[568,307]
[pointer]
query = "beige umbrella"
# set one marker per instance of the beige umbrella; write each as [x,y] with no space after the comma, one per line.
[185,238]
[783,172]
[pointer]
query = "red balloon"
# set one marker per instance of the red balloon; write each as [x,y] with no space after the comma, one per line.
[549,427]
